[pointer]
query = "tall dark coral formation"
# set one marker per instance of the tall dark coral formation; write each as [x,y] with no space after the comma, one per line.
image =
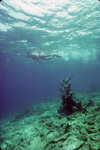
[68,103]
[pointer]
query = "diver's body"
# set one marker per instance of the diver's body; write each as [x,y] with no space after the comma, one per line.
[38,55]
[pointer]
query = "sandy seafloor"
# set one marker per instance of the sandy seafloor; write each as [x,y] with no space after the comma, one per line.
[41,127]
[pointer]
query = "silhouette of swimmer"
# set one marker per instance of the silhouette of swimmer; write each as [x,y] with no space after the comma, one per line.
[38,55]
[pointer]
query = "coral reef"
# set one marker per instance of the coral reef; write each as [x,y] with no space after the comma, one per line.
[41,127]
[69,105]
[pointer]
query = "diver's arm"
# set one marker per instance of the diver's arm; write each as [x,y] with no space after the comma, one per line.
[38,59]
[35,58]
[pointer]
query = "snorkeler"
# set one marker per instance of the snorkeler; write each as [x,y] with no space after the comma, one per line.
[39,55]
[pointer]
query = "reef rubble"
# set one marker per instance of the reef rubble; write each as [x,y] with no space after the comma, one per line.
[41,127]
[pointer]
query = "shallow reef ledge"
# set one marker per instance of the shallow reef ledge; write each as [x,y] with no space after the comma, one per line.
[41,127]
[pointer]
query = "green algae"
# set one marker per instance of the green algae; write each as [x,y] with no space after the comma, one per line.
[41,127]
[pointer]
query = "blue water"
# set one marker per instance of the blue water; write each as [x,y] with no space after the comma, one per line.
[69,28]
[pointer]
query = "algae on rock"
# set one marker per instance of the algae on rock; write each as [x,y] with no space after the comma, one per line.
[69,105]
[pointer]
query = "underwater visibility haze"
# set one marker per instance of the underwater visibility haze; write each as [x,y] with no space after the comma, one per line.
[68,28]
[50,74]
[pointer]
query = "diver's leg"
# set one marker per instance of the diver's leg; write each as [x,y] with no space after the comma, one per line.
[57,55]
[54,55]
[47,57]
